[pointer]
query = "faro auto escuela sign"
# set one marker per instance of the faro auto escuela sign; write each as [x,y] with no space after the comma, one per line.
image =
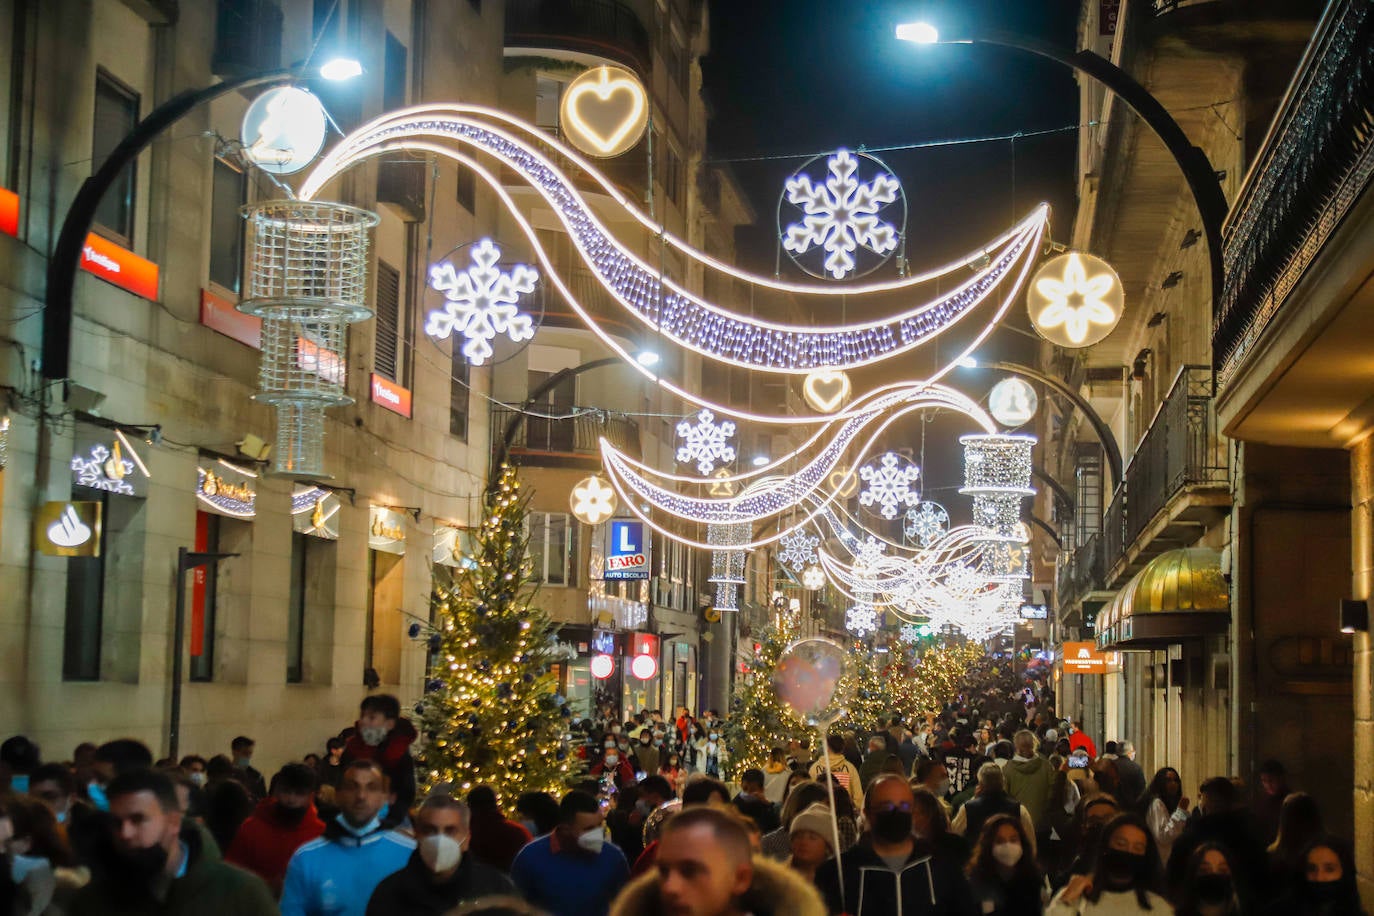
[627,550]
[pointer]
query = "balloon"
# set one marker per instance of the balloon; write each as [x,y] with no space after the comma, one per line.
[808,681]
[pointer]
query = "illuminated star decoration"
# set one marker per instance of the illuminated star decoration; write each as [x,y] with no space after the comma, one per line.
[861,619]
[841,214]
[889,484]
[925,523]
[593,501]
[1076,302]
[798,549]
[481,302]
[706,442]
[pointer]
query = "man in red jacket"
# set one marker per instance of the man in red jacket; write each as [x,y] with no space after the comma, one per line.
[280,825]
[1079,739]
[493,839]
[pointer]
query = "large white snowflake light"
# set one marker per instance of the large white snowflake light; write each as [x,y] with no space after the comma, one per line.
[861,619]
[868,553]
[925,523]
[910,634]
[481,302]
[889,484]
[841,214]
[101,471]
[706,442]
[798,549]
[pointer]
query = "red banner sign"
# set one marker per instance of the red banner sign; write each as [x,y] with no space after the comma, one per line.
[119,266]
[219,314]
[198,588]
[9,212]
[390,395]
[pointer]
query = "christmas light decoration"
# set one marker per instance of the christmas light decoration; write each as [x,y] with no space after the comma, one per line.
[889,484]
[481,302]
[104,469]
[861,619]
[593,500]
[706,442]
[826,390]
[910,633]
[813,578]
[924,523]
[604,111]
[841,214]
[1075,300]
[1012,402]
[798,549]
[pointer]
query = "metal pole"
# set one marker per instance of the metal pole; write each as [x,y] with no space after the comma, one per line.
[178,634]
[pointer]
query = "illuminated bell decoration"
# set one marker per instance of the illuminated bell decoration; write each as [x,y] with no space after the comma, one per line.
[604,111]
[827,390]
[284,129]
[1012,402]
[644,667]
[603,666]
[593,500]
[1075,300]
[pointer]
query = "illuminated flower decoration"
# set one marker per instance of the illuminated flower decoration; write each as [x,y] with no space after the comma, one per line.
[813,578]
[889,484]
[593,500]
[925,523]
[841,213]
[1076,301]
[706,442]
[482,302]
[798,549]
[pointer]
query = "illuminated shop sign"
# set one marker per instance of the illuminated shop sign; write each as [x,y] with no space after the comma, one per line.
[9,212]
[68,529]
[390,395]
[119,266]
[627,550]
[219,314]
[454,547]
[315,511]
[386,530]
[225,488]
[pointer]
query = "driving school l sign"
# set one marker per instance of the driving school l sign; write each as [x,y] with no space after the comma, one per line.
[627,549]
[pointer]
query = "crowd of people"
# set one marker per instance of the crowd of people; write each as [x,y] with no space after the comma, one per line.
[994,806]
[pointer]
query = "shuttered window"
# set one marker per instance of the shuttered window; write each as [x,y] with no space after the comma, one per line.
[386,359]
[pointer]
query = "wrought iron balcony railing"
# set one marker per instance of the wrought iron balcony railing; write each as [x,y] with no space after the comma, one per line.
[1316,162]
[606,28]
[577,433]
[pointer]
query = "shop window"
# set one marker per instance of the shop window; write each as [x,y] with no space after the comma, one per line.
[81,637]
[385,596]
[116,113]
[228,193]
[553,547]
[459,394]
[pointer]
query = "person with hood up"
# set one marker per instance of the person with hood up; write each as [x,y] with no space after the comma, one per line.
[492,838]
[382,735]
[845,772]
[614,766]
[282,823]
[1029,778]
[440,874]
[889,872]
[706,868]
[335,874]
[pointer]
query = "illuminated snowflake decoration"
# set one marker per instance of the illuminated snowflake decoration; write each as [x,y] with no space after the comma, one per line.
[861,619]
[706,442]
[889,484]
[798,549]
[91,472]
[482,302]
[868,553]
[813,578]
[910,634]
[925,523]
[841,214]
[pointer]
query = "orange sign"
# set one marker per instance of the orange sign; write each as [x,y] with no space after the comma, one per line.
[9,212]
[219,314]
[390,395]
[1083,658]
[119,266]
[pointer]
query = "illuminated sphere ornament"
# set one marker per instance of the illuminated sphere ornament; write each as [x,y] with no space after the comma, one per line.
[846,211]
[827,390]
[1012,402]
[644,667]
[813,578]
[604,111]
[1075,300]
[809,681]
[593,500]
[603,666]
[284,129]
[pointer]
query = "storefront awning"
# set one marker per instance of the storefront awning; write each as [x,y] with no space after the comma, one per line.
[1180,594]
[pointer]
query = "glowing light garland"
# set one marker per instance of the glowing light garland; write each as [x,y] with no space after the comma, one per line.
[840,214]
[481,302]
[706,442]
[889,484]
[663,305]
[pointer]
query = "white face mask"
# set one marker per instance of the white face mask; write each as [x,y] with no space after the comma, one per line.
[372,735]
[1007,854]
[198,778]
[440,852]
[612,759]
[592,840]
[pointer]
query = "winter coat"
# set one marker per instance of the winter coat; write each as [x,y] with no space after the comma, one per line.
[410,892]
[925,885]
[210,887]
[1028,781]
[775,891]
[495,840]
[265,842]
[394,756]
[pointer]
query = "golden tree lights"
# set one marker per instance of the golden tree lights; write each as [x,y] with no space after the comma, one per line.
[490,710]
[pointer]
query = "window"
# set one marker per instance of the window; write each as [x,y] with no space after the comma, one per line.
[295,609]
[325,19]
[228,193]
[1088,483]
[467,189]
[394,74]
[85,605]
[204,599]
[116,113]
[386,360]
[553,547]
[548,93]
[546,433]
[458,394]
[672,174]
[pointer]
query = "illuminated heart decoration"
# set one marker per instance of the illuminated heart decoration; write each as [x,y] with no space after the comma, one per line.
[827,390]
[843,482]
[605,111]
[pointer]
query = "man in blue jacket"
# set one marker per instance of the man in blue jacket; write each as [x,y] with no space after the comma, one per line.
[575,870]
[336,874]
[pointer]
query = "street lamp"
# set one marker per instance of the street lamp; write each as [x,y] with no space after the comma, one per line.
[66,253]
[1192,160]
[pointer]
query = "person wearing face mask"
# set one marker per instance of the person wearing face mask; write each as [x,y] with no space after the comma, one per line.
[53,785]
[442,873]
[1005,879]
[20,757]
[194,767]
[41,865]
[844,771]
[889,872]
[331,767]
[657,802]
[1325,884]
[614,766]
[646,753]
[1209,888]
[241,751]
[990,799]
[672,770]
[278,827]
[1126,876]
[160,866]
[494,839]
[383,735]
[710,754]
[931,774]
[1220,818]
[335,874]
[574,871]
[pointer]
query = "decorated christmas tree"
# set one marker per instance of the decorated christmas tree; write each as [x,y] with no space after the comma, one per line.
[930,679]
[872,697]
[758,720]
[490,709]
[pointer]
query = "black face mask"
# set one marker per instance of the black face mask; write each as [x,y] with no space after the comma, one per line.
[140,866]
[1213,888]
[1321,891]
[892,826]
[1122,868]
[290,816]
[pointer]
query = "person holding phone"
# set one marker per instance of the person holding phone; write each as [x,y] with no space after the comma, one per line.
[1166,809]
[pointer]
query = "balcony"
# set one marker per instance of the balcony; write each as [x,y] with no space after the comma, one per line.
[602,28]
[571,441]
